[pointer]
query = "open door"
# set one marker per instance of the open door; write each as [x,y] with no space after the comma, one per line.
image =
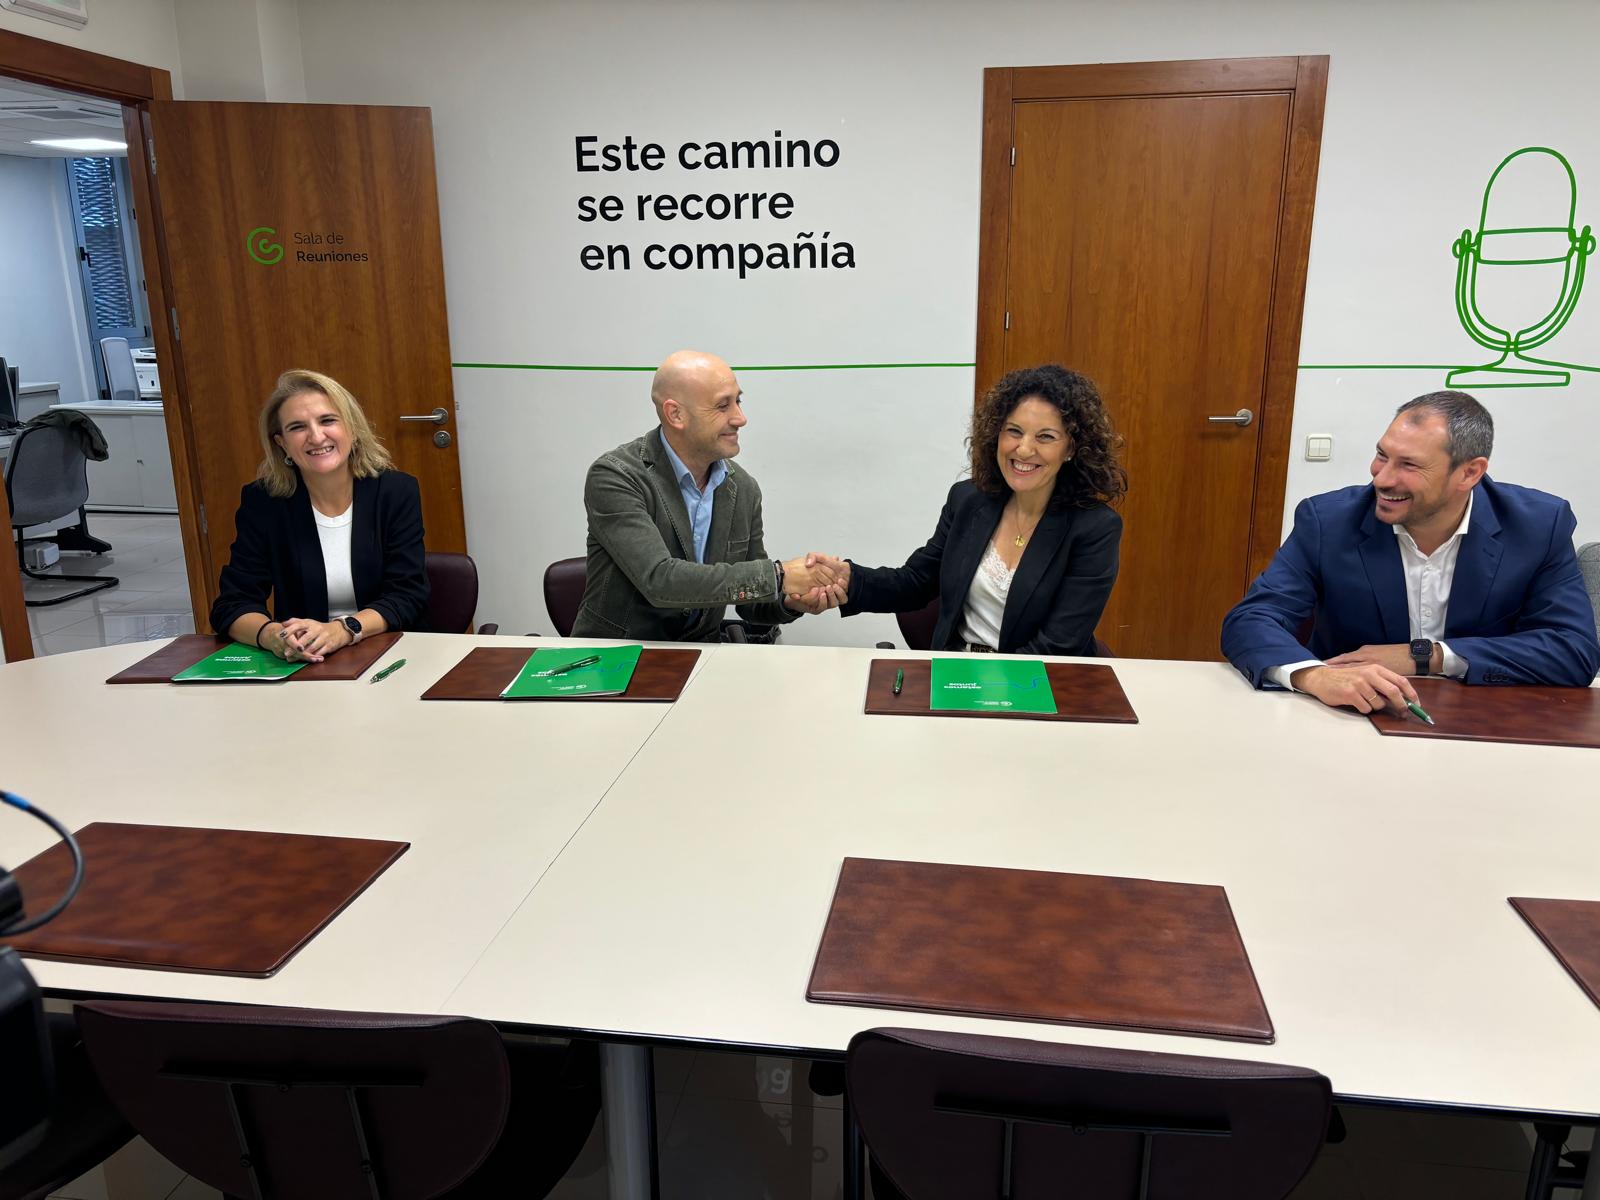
[302,235]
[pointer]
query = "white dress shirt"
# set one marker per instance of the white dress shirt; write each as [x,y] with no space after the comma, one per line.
[334,534]
[1429,578]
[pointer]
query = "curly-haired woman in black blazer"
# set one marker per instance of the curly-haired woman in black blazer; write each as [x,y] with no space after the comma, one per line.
[1025,552]
[329,528]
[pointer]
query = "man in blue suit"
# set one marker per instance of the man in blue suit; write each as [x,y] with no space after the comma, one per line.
[1432,569]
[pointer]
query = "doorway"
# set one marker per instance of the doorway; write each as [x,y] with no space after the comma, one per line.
[75,337]
[1148,224]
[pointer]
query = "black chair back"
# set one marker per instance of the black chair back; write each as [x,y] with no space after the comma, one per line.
[452,592]
[564,581]
[962,1117]
[273,1102]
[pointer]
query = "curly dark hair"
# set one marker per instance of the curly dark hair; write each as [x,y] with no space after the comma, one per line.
[1093,475]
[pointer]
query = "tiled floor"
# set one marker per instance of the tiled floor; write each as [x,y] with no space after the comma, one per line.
[737,1127]
[151,599]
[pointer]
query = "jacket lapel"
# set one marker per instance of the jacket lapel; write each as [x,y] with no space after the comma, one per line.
[668,495]
[1041,552]
[722,502]
[366,559]
[972,539]
[1476,563]
[308,553]
[1380,555]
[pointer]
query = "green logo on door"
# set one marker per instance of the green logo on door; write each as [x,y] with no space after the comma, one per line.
[261,246]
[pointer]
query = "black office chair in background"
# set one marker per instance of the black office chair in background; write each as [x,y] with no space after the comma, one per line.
[47,478]
[452,594]
[281,1102]
[563,592]
[949,1116]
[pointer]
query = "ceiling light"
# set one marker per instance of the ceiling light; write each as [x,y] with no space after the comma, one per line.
[88,145]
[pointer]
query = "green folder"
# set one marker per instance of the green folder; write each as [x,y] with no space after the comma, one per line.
[609,676]
[238,664]
[987,684]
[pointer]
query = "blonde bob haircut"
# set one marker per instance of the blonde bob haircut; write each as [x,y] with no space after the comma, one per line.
[367,455]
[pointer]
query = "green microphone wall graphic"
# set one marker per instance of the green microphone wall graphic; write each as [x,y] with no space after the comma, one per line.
[261,246]
[1519,276]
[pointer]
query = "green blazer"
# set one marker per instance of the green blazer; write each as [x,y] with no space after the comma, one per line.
[643,581]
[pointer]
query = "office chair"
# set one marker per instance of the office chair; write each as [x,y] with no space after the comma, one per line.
[1589,564]
[47,477]
[85,1129]
[452,594]
[949,1115]
[286,1102]
[917,629]
[563,592]
[121,379]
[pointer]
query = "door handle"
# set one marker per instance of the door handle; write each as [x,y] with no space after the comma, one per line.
[1243,417]
[439,416]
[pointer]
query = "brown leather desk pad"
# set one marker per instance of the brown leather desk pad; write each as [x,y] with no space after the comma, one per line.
[1083,692]
[485,672]
[1570,929]
[220,901]
[183,652]
[1038,946]
[1525,715]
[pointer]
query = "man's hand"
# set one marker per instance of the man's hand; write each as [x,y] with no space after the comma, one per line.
[801,575]
[1397,658]
[1365,687]
[817,600]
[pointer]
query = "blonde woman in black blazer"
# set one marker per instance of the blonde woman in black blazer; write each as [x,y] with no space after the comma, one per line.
[1024,555]
[328,528]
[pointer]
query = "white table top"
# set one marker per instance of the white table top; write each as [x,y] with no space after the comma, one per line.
[1368,874]
[692,850]
[487,794]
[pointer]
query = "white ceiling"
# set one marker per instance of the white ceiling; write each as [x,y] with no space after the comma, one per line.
[30,110]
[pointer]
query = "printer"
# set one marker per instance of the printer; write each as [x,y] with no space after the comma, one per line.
[144,366]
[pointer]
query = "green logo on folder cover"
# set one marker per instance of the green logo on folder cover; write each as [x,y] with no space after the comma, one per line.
[1519,276]
[990,685]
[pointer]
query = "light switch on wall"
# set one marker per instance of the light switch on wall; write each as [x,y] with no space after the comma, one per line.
[1319,447]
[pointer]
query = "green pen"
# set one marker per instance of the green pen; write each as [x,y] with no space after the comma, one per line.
[899,680]
[573,666]
[1416,710]
[388,671]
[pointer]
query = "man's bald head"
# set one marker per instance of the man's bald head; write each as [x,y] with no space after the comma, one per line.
[689,377]
[697,401]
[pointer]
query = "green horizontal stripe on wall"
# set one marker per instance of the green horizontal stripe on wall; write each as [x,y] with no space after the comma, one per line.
[785,367]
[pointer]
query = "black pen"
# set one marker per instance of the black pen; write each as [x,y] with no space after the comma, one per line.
[573,666]
[899,680]
[389,670]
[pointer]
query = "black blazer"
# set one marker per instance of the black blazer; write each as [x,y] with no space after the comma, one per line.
[1059,590]
[276,550]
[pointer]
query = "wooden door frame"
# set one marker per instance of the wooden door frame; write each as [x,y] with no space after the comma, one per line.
[134,86]
[1305,80]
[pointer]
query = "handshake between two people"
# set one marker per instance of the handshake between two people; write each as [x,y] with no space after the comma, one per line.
[814,583]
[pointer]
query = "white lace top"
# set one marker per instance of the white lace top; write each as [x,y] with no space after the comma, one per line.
[986,600]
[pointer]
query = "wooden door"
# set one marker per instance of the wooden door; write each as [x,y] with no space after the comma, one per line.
[1154,237]
[299,235]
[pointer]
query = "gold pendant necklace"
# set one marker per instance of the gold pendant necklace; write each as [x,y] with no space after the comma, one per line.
[1020,540]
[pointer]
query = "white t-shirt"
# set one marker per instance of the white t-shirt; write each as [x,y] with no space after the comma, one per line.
[334,534]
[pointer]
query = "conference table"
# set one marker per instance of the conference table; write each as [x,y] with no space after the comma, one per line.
[656,874]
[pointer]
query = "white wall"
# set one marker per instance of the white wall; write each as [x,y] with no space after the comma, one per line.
[141,31]
[41,301]
[1424,99]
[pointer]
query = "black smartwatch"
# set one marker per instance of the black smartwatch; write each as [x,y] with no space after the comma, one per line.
[1422,654]
[354,626]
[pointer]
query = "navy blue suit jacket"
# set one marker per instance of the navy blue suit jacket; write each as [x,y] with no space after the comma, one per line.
[1060,588]
[1518,609]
